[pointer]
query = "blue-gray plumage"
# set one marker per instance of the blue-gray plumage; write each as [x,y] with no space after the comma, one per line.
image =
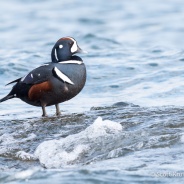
[54,82]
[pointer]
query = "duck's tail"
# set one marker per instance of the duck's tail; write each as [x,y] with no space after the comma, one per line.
[12,93]
[9,96]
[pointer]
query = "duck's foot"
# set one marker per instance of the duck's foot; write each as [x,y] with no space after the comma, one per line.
[44,115]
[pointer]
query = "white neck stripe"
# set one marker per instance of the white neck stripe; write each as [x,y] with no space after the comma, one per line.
[71,62]
[56,55]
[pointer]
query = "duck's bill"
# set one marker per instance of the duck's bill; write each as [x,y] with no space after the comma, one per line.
[79,50]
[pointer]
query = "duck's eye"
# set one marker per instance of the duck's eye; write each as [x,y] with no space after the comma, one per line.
[60,46]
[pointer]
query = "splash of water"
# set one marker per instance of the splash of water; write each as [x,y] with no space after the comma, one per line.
[79,147]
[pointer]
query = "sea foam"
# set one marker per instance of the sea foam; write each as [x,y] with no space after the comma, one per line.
[80,147]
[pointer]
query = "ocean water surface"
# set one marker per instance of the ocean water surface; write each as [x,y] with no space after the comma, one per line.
[127,124]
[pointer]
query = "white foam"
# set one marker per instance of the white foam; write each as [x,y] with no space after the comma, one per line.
[182,138]
[7,139]
[25,156]
[25,174]
[74,148]
[9,143]
[100,127]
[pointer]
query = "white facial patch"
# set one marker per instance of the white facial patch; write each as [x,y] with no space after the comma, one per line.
[56,54]
[62,76]
[74,46]
[60,46]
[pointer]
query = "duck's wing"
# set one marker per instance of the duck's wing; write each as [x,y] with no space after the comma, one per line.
[44,73]
[38,75]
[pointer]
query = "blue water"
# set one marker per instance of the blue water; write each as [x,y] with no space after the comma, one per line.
[135,60]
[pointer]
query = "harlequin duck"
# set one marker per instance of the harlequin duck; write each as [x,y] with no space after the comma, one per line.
[54,82]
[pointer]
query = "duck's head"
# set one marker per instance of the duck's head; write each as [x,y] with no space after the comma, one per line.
[64,48]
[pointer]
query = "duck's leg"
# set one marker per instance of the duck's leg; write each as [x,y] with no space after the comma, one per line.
[43,110]
[58,113]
